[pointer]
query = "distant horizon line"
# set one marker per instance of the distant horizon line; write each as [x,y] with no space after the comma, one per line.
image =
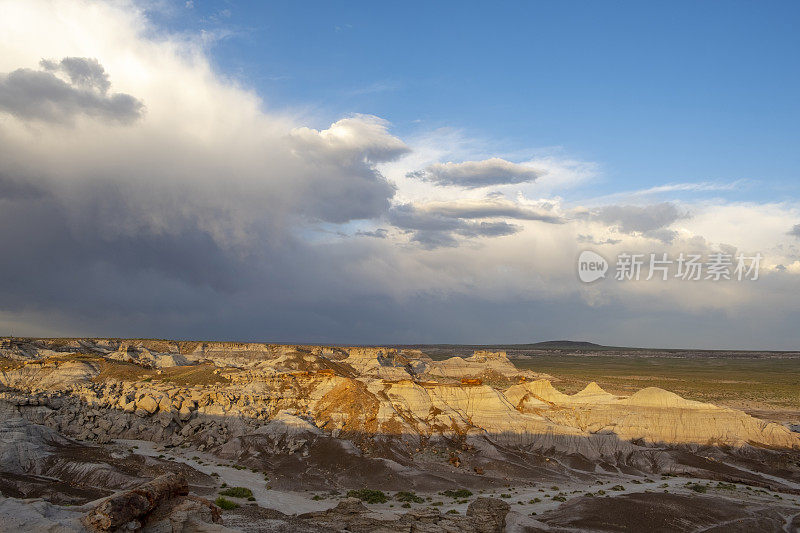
[544,345]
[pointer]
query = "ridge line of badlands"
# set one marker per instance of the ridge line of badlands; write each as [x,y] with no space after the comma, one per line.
[209,393]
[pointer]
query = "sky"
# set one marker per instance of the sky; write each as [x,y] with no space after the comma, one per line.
[361,173]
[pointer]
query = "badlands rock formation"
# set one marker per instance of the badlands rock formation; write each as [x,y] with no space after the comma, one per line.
[325,418]
[360,392]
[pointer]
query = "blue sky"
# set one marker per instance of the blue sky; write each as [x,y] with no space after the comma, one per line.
[653,92]
[356,173]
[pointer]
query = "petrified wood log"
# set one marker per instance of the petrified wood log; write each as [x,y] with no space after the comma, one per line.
[136,503]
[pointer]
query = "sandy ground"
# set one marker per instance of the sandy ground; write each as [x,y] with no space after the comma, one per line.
[284,501]
[522,498]
[527,501]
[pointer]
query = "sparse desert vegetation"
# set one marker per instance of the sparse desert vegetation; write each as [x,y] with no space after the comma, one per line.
[368,495]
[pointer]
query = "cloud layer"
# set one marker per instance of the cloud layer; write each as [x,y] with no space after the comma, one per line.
[474,174]
[143,194]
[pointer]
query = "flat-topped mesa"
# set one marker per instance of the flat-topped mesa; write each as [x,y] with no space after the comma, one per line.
[480,363]
[380,362]
[478,355]
[140,355]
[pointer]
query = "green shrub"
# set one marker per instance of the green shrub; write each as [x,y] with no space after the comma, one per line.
[559,499]
[452,511]
[251,499]
[368,495]
[617,487]
[227,505]
[437,504]
[405,496]
[457,494]
[237,492]
[505,495]
[406,505]
[697,487]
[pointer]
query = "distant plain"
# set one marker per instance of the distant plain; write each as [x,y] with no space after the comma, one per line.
[764,384]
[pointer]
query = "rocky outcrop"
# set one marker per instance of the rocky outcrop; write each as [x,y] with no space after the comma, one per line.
[488,515]
[50,374]
[25,446]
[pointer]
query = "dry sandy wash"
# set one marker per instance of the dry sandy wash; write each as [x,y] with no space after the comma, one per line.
[122,435]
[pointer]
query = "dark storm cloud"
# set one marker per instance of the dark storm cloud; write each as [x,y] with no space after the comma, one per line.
[795,231]
[43,95]
[168,231]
